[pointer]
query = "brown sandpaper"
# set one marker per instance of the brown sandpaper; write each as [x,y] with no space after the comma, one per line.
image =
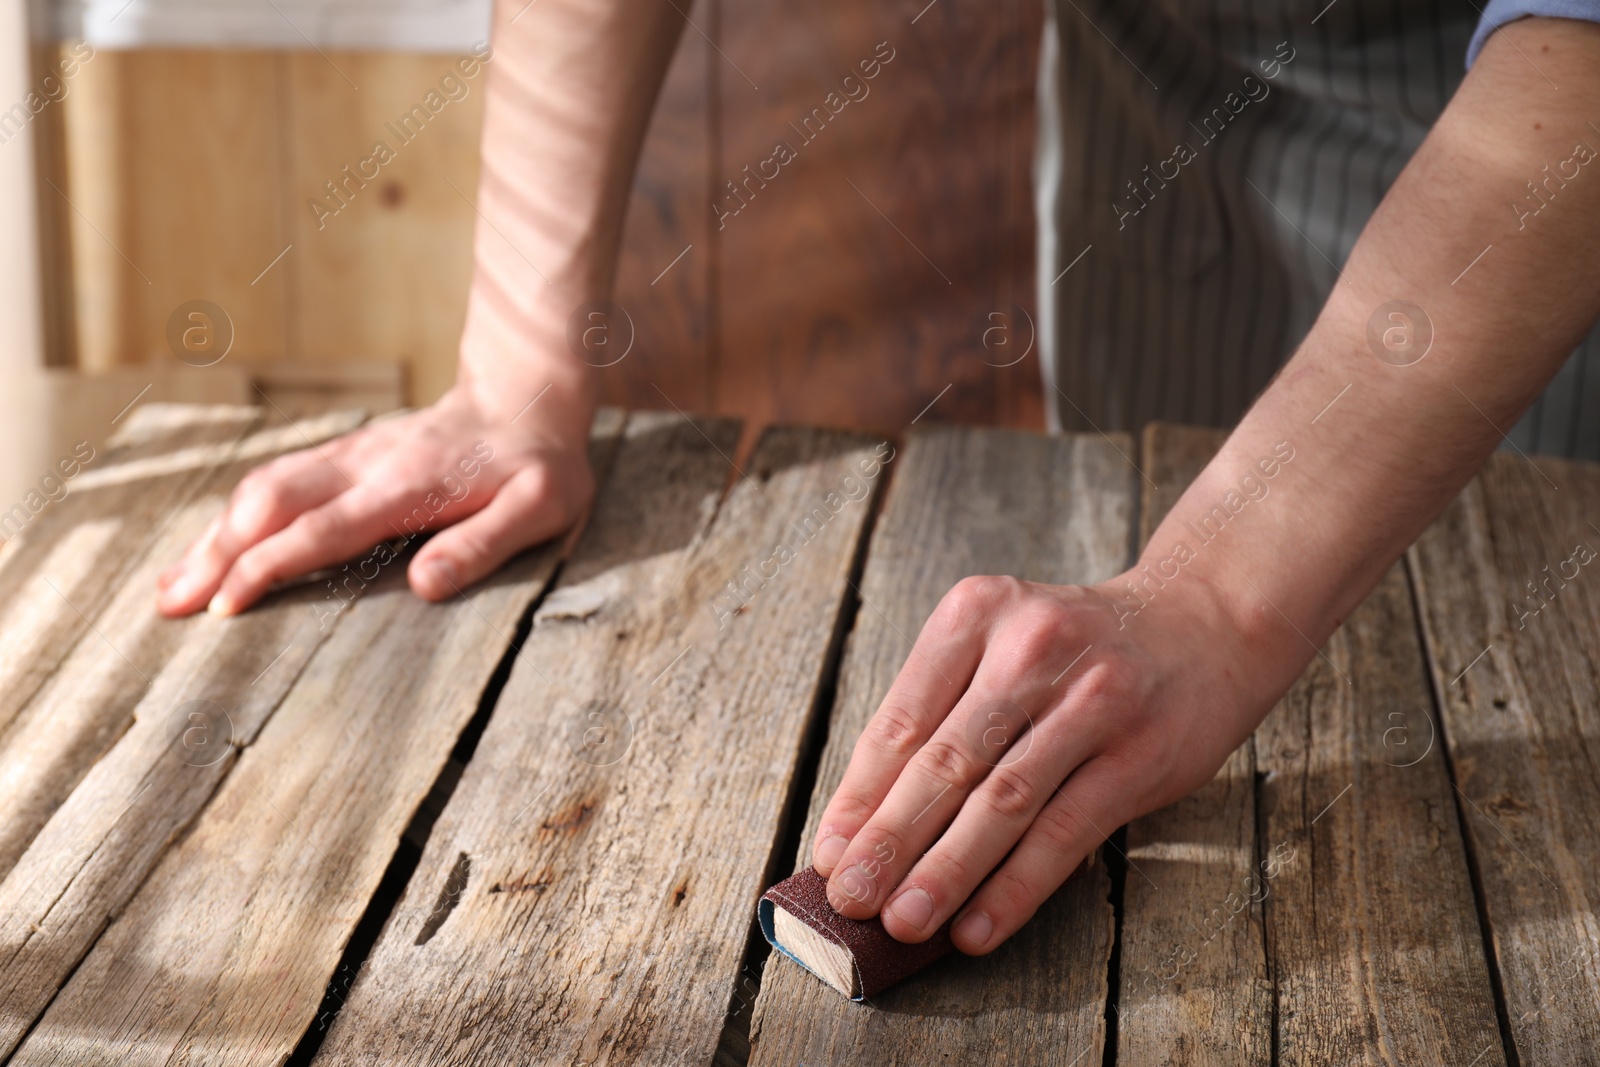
[878,960]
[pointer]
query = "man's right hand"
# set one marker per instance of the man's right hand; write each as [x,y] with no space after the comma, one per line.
[509,475]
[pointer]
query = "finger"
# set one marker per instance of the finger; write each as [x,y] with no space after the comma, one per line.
[525,511]
[346,526]
[930,790]
[992,820]
[941,665]
[1077,818]
[268,499]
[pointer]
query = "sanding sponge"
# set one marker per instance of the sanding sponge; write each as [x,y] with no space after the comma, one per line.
[857,957]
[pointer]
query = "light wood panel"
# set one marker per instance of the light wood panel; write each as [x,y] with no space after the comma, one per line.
[966,502]
[172,164]
[387,275]
[1376,952]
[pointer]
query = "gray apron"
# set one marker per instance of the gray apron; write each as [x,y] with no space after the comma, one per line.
[1202,170]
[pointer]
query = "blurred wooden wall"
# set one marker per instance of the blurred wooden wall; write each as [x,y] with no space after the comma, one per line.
[851,290]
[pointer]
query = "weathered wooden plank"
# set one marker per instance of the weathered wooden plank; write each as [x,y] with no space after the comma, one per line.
[90,701]
[1187,997]
[963,502]
[587,894]
[1376,951]
[1323,869]
[167,704]
[223,953]
[1511,616]
[70,557]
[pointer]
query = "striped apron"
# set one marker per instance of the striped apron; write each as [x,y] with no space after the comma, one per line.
[1203,168]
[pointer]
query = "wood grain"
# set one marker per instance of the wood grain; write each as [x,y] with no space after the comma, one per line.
[222,955]
[590,904]
[89,702]
[1512,622]
[1313,903]
[171,165]
[669,211]
[1376,951]
[1188,997]
[964,502]
[128,741]
[861,281]
[70,558]
[386,277]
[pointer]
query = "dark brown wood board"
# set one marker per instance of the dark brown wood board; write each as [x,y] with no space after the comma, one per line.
[964,502]
[586,895]
[883,260]
[223,954]
[1511,614]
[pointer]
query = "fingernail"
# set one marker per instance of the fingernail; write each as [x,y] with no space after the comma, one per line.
[830,852]
[222,604]
[181,588]
[914,907]
[975,929]
[441,573]
[849,886]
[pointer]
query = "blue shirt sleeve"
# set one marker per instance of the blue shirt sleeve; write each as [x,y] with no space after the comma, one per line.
[1497,13]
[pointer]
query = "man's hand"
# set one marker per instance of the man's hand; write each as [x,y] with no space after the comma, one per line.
[500,479]
[570,88]
[956,786]
[1026,726]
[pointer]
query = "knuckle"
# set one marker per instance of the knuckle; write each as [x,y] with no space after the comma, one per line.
[892,730]
[261,496]
[847,808]
[1014,895]
[320,525]
[950,870]
[981,592]
[1106,688]
[1034,640]
[948,764]
[1060,830]
[877,849]
[468,545]
[254,569]
[1009,794]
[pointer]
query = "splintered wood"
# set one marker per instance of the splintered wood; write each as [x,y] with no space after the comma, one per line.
[530,825]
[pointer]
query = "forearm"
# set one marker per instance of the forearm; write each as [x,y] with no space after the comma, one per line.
[571,87]
[1399,441]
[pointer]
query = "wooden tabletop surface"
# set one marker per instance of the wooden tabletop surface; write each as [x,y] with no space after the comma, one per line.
[530,826]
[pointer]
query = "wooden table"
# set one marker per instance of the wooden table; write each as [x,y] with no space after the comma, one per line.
[530,826]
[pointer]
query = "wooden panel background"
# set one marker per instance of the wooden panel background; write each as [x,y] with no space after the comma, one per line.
[860,283]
